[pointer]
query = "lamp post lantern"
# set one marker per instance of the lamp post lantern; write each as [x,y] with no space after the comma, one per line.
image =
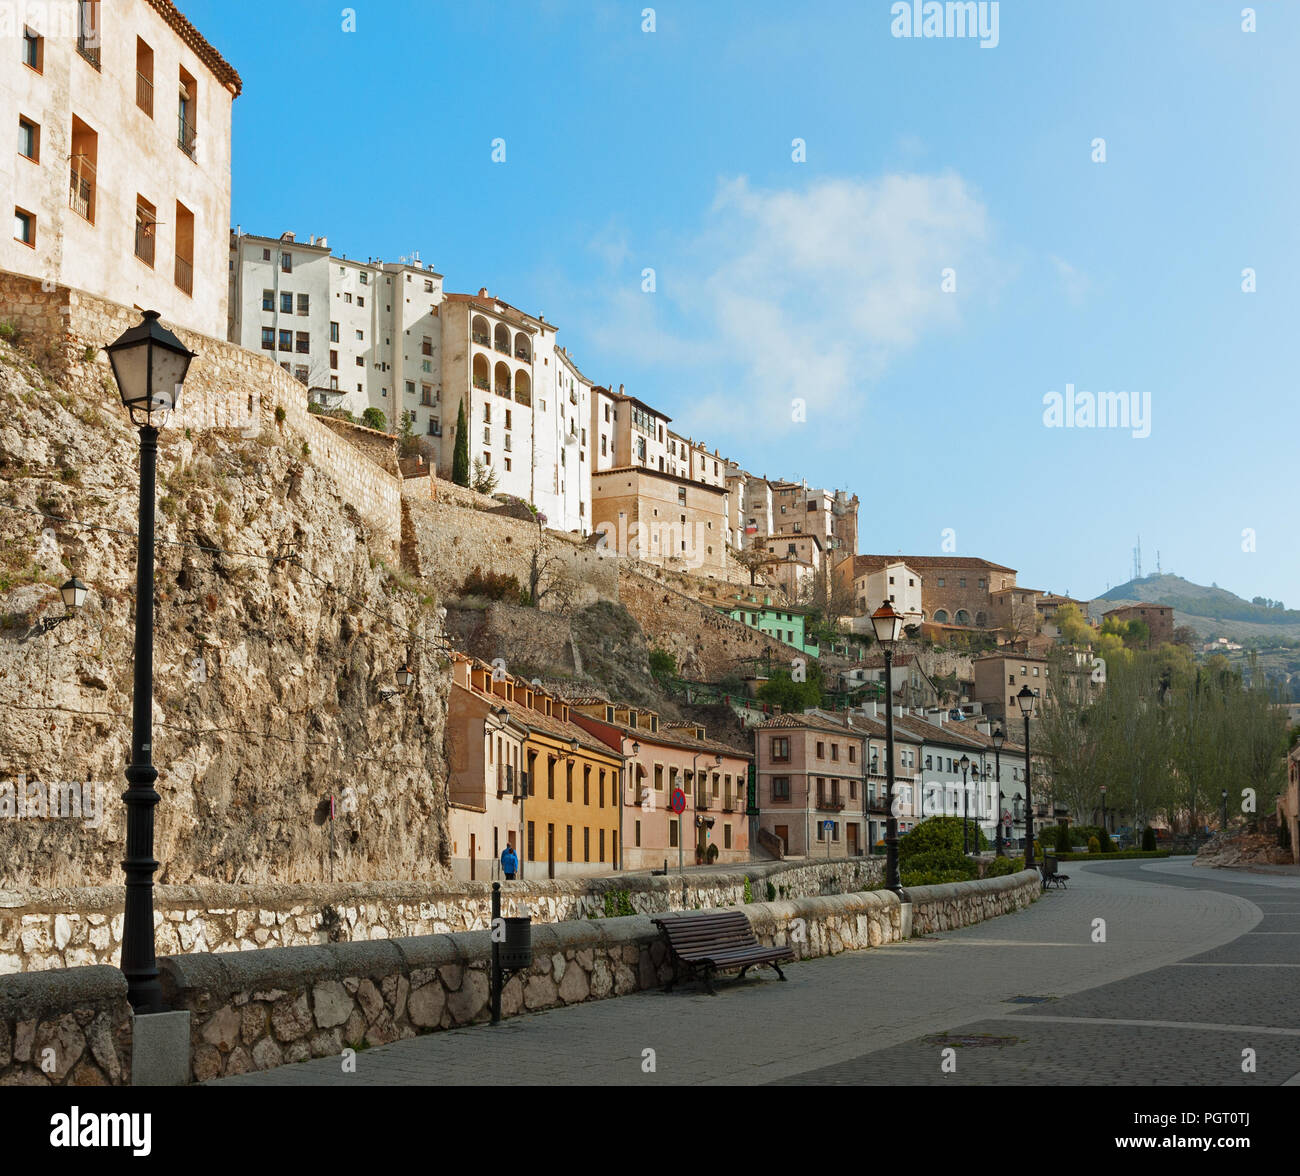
[1026,700]
[149,364]
[998,740]
[888,624]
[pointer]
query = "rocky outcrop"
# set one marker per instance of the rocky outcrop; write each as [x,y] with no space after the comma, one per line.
[278,619]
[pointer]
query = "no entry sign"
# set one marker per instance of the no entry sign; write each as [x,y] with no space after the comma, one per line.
[678,802]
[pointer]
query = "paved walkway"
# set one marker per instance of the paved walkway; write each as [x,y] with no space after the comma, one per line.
[1196,966]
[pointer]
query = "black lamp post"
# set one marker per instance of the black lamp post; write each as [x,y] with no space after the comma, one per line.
[149,365]
[1026,700]
[964,764]
[888,624]
[1223,796]
[998,739]
[1105,827]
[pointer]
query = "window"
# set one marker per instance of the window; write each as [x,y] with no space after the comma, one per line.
[361,336]
[286,303]
[300,374]
[853,754]
[88,31]
[835,751]
[568,843]
[821,750]
[303,343]
[780,788]
[360,363]
[25,227]
[426,394]
[410,387]
[268,338]
[286,263]
[347,298]
[304,303]
[187,118]
[428,286]
[672,834]
[268,300]
[360,301]
[586,844]
[286,340]
[426,346]
[266,255]
[33,50]
[29,139]
[144,76]
[940,581]
[365,278]
[146,221]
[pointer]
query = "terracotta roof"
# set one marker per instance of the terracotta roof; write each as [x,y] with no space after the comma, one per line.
[489,304]
[863,725]
[222,69]
[862,564]
[672,737]
[663,416]
[932,732]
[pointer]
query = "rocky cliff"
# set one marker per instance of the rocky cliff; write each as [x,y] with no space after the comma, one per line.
[278,619]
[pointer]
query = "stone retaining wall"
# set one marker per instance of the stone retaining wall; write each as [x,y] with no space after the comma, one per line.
[67,1028]
[83,925]
[257,1010]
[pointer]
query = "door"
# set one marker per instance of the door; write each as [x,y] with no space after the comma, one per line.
[783,832]
[851,838]
[472,855]
[550,851]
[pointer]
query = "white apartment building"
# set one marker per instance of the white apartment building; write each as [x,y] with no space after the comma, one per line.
[121,180]
[357,335]
[896,582]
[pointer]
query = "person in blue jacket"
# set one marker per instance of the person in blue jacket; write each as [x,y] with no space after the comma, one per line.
[509,862]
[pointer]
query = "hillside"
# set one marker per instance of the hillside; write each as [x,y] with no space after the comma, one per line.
[1271,635]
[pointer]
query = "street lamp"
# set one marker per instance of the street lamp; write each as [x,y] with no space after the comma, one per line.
[73,593]
[964,764]
[1026,700]
[636,751]
[1104,826]
[405,676]
[149,364]
[998,740]
[888,624]
[1223,797]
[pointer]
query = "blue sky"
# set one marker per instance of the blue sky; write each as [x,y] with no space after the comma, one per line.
[821,280]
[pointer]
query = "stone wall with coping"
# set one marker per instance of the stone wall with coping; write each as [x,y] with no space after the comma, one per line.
[66,1028]
[227,387]
[261,1009]
[42,930]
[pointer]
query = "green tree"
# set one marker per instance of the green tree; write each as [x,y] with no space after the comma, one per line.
[373,418]
[460,455]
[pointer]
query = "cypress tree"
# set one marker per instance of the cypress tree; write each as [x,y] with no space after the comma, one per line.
[460,456]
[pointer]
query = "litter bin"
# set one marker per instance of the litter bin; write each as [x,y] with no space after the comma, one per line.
[517,950]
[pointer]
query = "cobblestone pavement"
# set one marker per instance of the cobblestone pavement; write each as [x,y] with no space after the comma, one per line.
[1197,966]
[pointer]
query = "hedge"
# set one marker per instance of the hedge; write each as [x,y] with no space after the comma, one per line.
[1119,853]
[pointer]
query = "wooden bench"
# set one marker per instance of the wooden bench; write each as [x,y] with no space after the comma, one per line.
[720,941]
[1050,875]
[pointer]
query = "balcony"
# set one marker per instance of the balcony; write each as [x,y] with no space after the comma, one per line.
[702,804]
[186,135]
[144,94]
[81,189]
[144,242]
[830,804]
[87,50]
[877,804]
[185,276]
[521,353]
[481,382]
[501,390]
[504,348]
[482,340]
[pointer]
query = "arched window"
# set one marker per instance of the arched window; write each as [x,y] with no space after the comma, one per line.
[523,347]
[962,617]
[480,332]
[940,616]
[482,373]
[501,380]
[523,387]
[501,338]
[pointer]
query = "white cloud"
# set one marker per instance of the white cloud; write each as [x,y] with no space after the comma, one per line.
[1075,284]
[808,293]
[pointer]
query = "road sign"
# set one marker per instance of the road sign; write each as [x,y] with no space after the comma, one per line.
[678,802]
[829,826]
[1006,817]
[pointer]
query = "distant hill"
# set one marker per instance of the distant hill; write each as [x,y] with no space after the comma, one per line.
[1199,606]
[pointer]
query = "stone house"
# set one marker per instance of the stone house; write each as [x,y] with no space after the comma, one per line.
[121,179]
[955,590]
[1158,618]
[998,679]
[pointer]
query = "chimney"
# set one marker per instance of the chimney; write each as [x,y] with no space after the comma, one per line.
[323,243]
[482,292]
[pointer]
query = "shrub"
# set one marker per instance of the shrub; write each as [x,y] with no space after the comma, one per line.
[1094,846]
[749,890]
[940,861]
[279,414]
[7,330]
[374,418]
[493,585]
[939,833]
[1104,842]
[999,867]
[771,892]
[618,903]
[1148,838]
[662,663]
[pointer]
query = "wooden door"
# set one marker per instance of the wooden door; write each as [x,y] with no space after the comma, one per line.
[783,832]
[472,854]
[851,836]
